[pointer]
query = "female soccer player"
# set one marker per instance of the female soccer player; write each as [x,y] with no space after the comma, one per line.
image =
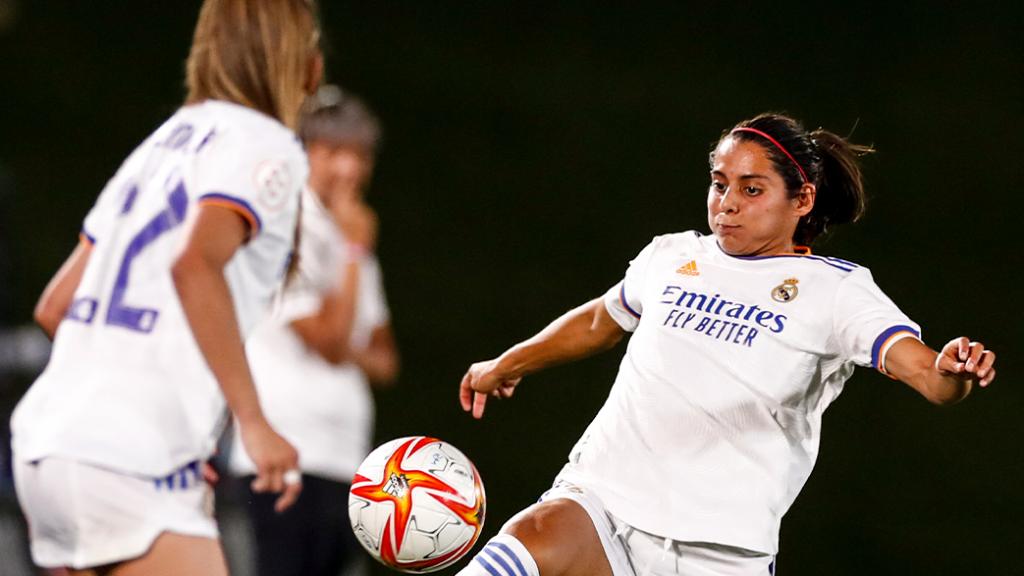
[178,259]
[329,340]
[740,340]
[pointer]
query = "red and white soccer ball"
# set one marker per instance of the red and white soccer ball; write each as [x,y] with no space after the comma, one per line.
[417,504]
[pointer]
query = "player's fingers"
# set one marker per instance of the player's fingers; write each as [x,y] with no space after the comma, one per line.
[466,393]
[989,377]
[501,393]
[963,347]
[210,474]
[274,481]
[479,401]
[946,363]
[288,497]
[974,352]
[988,359]
[260,483]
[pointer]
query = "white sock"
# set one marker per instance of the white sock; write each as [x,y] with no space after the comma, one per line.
[503,555]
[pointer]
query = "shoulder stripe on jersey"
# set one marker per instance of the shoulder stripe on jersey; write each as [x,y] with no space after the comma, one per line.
[237,205]
[840,265]
[845,262]
[834,262]
[884,339]
[86,238]
[622,299]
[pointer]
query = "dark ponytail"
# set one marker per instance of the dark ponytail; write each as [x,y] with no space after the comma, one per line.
[827,160]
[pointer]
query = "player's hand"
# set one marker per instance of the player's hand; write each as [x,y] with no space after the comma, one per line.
[968,361]
[355,217]
[210,474]
[485,379]
[277,463]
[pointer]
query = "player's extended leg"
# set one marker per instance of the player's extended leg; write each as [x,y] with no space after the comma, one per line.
[553,538]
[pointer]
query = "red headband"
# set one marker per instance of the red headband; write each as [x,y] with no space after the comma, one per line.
[777,145]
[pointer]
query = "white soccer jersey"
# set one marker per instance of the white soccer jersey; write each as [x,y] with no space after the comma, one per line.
[713,423]
[325,410]
[126,386]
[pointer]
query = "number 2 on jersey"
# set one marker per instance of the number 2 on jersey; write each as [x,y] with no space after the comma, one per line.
[120,313]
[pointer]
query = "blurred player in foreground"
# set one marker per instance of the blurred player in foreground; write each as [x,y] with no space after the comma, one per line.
[741,339]
[329,340]
[179,257]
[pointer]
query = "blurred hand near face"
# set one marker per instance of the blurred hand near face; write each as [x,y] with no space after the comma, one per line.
[340,174]
[354,216]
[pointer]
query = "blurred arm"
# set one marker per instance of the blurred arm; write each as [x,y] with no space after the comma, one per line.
[327,332]
[380,359]
[198,274]
[57,296]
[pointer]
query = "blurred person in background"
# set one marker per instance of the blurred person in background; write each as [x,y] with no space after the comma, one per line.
[329,340]
[178,258]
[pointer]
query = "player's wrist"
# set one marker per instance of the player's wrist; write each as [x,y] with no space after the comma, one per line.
[356,251]
[249,416]
[512,364]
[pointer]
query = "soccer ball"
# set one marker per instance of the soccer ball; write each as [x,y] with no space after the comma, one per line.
[416,504]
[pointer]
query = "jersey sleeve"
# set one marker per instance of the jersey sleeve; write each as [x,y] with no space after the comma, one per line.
[258,180]
[623,300]
[867,323]
[101,216]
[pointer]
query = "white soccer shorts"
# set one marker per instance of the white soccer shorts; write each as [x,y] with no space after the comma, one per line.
[633,552]
[83,516]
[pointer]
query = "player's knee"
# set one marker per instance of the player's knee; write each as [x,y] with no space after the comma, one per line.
[543,520]
[552,531]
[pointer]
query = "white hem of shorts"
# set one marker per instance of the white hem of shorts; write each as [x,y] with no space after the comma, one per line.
[614,550]
[127,549]
[129,545]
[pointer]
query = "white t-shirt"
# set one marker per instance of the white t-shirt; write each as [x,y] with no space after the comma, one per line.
[325,410]
[126,386]
[713,423]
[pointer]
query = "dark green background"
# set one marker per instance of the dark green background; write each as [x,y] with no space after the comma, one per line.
[531,152]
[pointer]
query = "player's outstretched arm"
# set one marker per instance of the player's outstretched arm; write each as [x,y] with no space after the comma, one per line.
[198,274]
[942,377]
[579,333]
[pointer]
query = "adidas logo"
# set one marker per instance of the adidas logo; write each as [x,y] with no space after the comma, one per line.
[689,269]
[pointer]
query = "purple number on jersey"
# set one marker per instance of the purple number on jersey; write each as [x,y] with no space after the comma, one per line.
[119,313]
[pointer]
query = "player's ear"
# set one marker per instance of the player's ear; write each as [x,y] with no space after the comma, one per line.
[803,202]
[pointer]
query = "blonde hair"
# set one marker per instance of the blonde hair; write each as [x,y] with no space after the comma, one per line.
[257,53]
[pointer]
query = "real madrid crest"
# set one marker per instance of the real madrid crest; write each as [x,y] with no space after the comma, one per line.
[787,291]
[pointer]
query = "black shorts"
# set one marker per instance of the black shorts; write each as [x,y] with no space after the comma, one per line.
[312,538]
